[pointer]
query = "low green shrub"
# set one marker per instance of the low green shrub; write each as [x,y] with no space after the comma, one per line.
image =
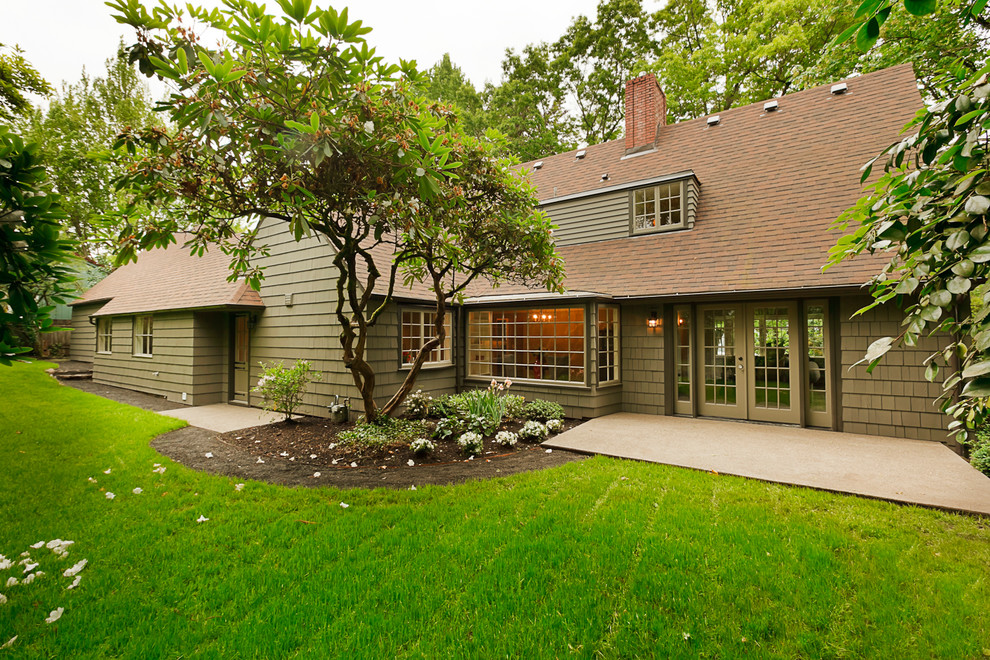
[542,410]
[447,405]
[384,432]
[514,406]
[979,452]
[448,427]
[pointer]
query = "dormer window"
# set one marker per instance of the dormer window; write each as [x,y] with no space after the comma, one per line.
[658,208]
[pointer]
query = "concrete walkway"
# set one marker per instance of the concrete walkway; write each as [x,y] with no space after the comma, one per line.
[909,471]
[223,417]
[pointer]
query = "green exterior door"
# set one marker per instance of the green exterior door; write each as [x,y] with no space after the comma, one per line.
[721,365]
[241,354]
[775,393]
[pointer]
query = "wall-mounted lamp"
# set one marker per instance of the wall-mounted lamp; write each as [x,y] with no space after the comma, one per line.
[653,321]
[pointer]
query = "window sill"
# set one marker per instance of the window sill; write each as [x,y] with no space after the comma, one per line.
[428,366]
[530,381]
[609,384]
[657,230]
[104,352]
[142,355]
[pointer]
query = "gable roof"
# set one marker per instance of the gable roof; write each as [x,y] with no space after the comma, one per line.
[171,279]
[771,184]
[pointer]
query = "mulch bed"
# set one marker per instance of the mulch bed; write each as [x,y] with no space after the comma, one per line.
[313,441]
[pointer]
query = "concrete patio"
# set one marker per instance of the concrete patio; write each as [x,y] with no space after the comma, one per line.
[908,471]
[223,417]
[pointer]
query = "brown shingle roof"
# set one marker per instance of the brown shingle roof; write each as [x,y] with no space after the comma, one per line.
[771,185]
[168,279]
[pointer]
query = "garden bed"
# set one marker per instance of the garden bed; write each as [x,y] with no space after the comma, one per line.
[314,441]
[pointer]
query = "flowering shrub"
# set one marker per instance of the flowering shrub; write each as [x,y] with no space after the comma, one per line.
[283,388]
[447,428]
[555,425]
[422,445]
[514,406]
[470,442]
[506,438]
[418,404]
[542,410]
[533,431]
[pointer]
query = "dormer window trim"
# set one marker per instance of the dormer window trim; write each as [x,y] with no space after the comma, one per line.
[663,206]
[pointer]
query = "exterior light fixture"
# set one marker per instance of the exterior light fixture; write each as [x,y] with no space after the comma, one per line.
[653,321]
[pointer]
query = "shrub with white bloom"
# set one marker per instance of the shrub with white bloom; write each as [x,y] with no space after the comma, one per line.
[418,404]
[506,438]
[555,425]
[533,431]
[470,442]
[422,445]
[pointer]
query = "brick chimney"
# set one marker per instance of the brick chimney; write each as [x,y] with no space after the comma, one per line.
[646,112]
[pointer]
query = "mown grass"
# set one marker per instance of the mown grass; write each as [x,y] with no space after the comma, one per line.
[597,558]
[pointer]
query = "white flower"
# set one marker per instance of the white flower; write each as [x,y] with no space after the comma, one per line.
[157,465]
[331,445]
[238,486]
[549,451]
[410,462]
[107,471]
[333,462]
[159,470]
[686,636]
[413,487]
[110,495]
[555,425]
[401,153]
[261,460]
[506,438]
[369,127]
[312,455]
[344,505]
[3,599]
[420,171]
[316,474]
[494,383]
[75,568]
[202,519]
[508,383]
[55,615]
[30,567]
[284,453]
[209,454]
[353,464]
[137,491]
[75,583]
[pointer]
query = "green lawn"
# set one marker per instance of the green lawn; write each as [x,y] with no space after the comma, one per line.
[597,558]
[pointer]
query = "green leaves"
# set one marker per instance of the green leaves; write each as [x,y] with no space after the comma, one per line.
[920,7]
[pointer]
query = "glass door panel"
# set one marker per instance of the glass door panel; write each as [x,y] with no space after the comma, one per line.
[773,331]
[816,398]
[683,360]
[721,366]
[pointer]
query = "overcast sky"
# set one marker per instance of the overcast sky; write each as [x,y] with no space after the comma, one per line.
[60,37]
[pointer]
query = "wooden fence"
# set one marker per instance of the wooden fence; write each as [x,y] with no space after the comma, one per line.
[57,341]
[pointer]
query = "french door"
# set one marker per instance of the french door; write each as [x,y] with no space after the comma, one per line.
[240,347]
[744,365]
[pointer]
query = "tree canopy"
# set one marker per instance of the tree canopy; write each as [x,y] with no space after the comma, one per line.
[296,118]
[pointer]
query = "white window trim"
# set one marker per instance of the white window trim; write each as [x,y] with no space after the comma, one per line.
[423,312]
[108,335]
[617,365]
[137,338]
[633,231]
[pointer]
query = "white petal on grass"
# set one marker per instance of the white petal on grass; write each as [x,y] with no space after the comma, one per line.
[110,495]
[238,486]
[159,470]
[209,454]
[202,519]
[39,544]
[9,643]
[316,474]
[91,480]
[107,471]
[5,563]
[55,615]
[413,487]
[137,491]
[75,568]
[157,465]
[75,583]
[29,579]
[30,567]
[344,505]
[12,582]
[3,599]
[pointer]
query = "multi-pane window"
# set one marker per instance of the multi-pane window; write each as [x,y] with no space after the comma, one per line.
[104,335]
[533,344]
[658,207]
[143,335]
[817,373]
[608,344]
[418,327]
[682,353]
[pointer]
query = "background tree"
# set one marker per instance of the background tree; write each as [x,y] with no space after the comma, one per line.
[300,121]
[78,126]
[445,81]
[18,79]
